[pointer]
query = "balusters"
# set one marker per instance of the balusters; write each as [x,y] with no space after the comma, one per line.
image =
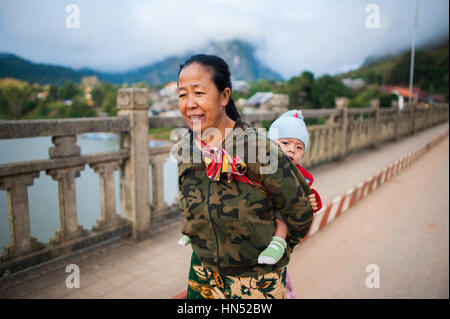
[157,162]
[67,204]
[314,145]
[321,146]
[329,143]
[109,218]
[64,148]
[19,217]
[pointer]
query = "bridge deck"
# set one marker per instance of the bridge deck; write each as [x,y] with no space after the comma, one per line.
[403,228]
[157,267]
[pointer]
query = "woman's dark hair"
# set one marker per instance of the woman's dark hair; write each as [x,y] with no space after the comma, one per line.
[220,76]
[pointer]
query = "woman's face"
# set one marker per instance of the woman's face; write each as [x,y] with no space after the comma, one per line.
[199,100]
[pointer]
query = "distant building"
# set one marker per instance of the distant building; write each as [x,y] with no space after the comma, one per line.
[42,95]
[436,98]
[170,89]
[268,101]
[403,94]
[259,98]
[354,83]
[89,82]
[165,99]
[240,86]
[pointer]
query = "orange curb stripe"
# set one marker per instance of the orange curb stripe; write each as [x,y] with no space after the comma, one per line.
[372,181]
[180,295]
[353,199]
[323,222]
[363,190]
[341,204]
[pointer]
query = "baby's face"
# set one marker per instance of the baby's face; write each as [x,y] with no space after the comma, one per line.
[293,148]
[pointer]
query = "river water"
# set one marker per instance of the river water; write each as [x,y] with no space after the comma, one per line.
[43,194]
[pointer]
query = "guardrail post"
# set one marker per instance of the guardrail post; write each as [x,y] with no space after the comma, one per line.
[19,217]
[65,147]
[375,104]
[413,107]
[134,179]
[396,119]
[342,104]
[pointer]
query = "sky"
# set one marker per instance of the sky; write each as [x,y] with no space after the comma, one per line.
[290,36]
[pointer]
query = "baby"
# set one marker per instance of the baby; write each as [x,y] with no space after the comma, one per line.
[290,132]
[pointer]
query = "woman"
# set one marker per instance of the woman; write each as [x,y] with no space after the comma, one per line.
[228,204]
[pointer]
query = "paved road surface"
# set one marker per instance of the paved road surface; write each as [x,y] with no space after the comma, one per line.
[403,227]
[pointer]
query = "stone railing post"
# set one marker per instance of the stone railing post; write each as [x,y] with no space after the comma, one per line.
[107,195]
[19,217]
[342,104]
[413,108]
[375,104]
[134,180]
[396,119]
[157,162]
[65,147]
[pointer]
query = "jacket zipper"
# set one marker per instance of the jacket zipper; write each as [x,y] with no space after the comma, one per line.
[212,225]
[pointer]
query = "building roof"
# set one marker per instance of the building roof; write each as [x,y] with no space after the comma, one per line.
[169,89]
[171,85]
[403,91]
[259,98]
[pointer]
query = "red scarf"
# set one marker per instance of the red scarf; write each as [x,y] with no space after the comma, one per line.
[219,161]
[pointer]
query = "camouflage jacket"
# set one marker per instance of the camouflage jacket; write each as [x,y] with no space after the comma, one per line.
[231,223]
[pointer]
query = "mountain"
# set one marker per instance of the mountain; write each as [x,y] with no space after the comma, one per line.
[12,66]
[238,54]
[431,68]
[240,57]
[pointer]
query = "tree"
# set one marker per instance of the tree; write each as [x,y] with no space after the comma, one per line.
[14,94]
[109,103]
[369,93]
[69,90]
[299,89]
[100,91]
[53,93]
[325,89]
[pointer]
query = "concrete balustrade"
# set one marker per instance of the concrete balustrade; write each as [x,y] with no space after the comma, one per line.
[345,131]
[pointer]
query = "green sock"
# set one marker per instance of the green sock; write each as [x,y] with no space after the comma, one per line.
[184,241]
[273,253]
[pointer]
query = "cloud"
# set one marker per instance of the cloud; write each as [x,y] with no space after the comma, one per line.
[290,36]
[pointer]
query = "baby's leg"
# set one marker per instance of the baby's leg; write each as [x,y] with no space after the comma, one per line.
[281,229]
[273,253]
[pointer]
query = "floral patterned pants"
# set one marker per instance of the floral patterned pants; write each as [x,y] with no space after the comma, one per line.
[207,284]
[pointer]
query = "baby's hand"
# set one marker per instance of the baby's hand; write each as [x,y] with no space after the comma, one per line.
[313,202]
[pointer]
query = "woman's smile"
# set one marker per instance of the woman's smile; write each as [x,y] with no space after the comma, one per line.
[195,117]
